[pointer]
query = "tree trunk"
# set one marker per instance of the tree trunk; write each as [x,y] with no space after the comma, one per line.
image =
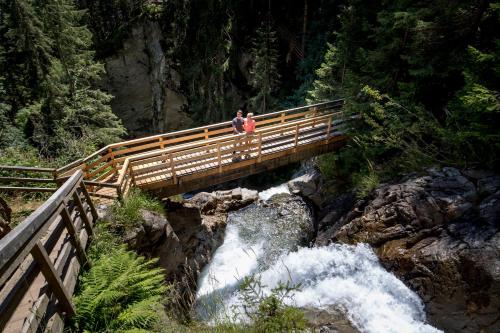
[304,28]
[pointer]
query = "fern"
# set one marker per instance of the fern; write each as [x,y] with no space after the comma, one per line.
[122,292]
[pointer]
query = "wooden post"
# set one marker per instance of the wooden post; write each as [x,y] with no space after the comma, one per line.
[73,236]
[328,129]
[85,170]
[206,138]
[83,213]
[296,140]
[314,114]
[112,156]
[53,279]
[162,144]
[89,201]
[172,168]
[282,116]
[219,159]
[119,193]
[259,152]
[132,177]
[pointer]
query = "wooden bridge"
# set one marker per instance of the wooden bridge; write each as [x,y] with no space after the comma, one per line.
[40,258]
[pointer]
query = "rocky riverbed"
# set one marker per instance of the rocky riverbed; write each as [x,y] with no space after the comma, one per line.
[439,233]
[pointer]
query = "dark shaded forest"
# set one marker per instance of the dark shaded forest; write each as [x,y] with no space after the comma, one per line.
[424,76]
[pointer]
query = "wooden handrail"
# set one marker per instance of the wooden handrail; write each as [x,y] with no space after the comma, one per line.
[215,140]
[108,167]
[24,168]
[159,141]
[188,156]
[338,102]
[28,238]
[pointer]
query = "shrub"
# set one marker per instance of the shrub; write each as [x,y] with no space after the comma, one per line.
[269,313]
[128,213]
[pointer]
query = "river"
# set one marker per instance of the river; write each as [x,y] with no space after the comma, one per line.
[262,240]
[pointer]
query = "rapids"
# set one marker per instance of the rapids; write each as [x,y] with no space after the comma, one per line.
[260,240]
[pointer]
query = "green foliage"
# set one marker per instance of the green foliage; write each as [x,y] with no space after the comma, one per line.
[264,72]
[327,87]
[200,39]
[112,20]
[127,213]
[23,155]
[122,292]
[48,90]
[425,91]
[269,313]
[365,183]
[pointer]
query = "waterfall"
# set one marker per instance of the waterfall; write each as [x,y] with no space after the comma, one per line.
[341,275]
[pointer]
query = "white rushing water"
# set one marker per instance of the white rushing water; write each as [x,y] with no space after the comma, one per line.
[346,276]
[265,195]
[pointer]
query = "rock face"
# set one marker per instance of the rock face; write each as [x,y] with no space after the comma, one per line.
[440,234]
[309,186]
[185,240]
[146,90]
[329,320]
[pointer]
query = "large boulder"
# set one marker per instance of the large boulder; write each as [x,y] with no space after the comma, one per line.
[440,238]
[308,186]
[224,201]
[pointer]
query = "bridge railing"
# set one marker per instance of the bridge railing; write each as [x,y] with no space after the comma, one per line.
[41,257]
[106,162]
[167,165]
[107,172]
[27,179]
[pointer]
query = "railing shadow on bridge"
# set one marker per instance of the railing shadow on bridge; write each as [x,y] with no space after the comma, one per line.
[41,257]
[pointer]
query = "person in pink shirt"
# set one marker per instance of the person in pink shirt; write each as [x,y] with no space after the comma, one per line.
[249,127]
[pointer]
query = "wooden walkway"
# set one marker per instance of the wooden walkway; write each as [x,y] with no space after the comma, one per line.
[40,258]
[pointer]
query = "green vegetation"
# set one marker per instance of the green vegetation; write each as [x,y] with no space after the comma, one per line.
[424,83]
[269,312]
[47,79]
[127,213]
[264,72]
[122,292]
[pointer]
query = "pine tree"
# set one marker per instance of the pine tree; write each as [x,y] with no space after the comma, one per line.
[265,76]
[327,86]
[50,87]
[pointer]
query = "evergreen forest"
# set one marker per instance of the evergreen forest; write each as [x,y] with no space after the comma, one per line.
[420,82]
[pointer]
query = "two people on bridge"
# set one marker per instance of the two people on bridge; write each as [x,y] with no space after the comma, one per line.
[243,127]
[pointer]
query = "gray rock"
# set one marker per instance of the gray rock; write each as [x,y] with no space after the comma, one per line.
[488,185]
[309,186]
[206,202]
[154,225]
[329,320]
[431,232]
[146,90]
[489,209]
[236,198]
